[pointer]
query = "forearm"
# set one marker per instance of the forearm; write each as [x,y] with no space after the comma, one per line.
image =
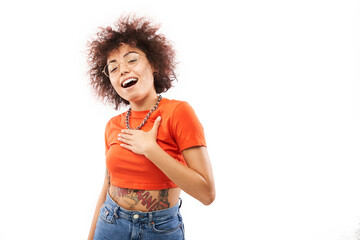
[184,177]
[100,201]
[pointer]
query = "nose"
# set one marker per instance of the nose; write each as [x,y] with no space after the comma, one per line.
[123,68]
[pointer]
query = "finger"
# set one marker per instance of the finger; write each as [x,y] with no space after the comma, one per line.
[125,136]
[127,141]
[156,124]
[129,147]
[128,131]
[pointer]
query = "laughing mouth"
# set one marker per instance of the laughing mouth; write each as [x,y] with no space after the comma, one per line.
[129,82]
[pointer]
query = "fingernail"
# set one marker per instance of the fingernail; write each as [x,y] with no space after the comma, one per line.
[158,118]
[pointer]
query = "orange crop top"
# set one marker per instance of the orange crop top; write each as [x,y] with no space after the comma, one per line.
[179,129]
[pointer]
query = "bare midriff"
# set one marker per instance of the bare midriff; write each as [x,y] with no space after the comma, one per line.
[144,200]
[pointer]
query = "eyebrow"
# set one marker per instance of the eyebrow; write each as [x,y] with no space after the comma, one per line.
[123,56]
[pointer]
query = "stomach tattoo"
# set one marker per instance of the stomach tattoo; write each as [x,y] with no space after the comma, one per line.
[144,200]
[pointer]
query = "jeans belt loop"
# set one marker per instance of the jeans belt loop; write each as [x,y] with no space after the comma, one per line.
[150,217]
[115,212]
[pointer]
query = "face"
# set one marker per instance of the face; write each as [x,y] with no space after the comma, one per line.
[134,79]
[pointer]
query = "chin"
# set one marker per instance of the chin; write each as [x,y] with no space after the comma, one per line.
[134,97]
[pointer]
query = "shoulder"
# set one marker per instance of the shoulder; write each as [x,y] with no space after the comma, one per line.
[179,111]
[174,105]
[115,120]
[172,102]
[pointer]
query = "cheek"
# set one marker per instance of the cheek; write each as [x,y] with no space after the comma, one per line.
[147,76]
[117,87]
[114,84]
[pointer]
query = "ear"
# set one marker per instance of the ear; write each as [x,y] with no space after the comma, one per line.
[155,72]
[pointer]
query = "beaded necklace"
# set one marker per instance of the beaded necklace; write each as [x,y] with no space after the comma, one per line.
[146,117]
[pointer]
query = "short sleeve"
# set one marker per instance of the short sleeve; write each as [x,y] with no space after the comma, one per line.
[186,127]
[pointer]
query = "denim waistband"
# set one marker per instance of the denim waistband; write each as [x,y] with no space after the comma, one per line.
[141,216]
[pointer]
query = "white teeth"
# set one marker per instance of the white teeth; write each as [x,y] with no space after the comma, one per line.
[128,81]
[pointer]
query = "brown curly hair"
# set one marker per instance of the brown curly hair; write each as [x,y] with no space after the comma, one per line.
[139,33]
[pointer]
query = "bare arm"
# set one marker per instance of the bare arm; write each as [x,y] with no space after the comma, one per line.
[101,200]
[197,179]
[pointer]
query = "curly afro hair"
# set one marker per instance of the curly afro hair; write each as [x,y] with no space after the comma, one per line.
[139,33]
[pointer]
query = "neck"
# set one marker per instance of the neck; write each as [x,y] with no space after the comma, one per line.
[145,104]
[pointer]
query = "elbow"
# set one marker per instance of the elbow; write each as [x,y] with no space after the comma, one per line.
[209,199]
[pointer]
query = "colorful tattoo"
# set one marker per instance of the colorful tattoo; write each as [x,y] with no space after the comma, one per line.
[133,197]
[163,199]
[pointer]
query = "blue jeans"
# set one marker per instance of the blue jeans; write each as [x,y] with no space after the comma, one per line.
[115,222]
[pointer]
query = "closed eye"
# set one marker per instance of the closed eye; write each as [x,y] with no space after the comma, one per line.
[113,70]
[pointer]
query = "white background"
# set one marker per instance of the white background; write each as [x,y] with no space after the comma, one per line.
[275,84]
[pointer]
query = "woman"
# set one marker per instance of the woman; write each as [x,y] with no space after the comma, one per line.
[153,150]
